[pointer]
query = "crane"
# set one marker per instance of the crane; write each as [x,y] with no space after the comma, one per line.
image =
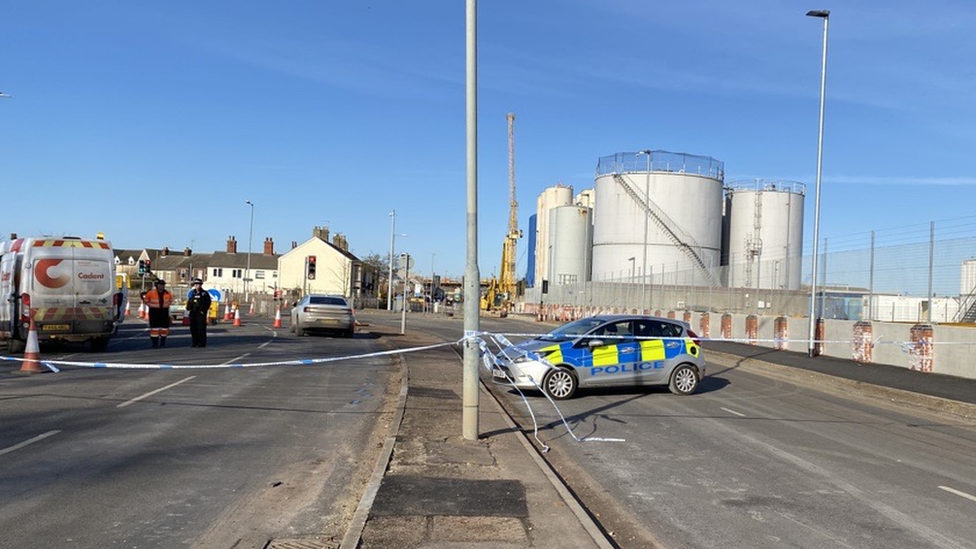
[507,282]
[501,291]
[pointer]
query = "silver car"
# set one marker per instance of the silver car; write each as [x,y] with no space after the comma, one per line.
[605,351]
[316,312]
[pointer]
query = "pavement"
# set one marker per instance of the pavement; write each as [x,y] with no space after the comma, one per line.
[431,489]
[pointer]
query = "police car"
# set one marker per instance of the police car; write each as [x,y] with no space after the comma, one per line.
[605,351]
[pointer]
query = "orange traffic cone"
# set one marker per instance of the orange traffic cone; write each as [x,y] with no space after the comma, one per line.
[251,312]
[277,321]
[32,353]
[237,317]
[127,308]
[143,311]
[227,314]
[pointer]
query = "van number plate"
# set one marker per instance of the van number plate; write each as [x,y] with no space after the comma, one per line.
[56,327]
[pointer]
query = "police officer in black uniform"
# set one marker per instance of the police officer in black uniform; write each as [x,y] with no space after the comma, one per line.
[198,307]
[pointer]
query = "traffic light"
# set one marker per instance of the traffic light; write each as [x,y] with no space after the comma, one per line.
[310,267]
[148,266]
[142,267]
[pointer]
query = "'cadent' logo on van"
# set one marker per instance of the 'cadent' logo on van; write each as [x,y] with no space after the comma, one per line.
[91,276]
[41,273]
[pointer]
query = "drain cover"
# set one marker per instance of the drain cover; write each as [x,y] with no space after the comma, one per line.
[417,495]
[430,392]
[306,543]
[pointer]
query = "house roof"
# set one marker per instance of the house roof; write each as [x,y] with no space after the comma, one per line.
[175,262]
[239,261]
[125,255]
[346,254]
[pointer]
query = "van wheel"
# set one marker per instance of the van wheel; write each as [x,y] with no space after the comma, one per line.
[99,344]
[684,380]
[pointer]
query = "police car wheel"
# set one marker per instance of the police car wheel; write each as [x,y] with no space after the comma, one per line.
[559,383]
[684,380]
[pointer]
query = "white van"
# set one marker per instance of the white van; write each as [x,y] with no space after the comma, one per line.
[67,284]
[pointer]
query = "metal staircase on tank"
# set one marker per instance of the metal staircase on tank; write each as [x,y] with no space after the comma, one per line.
[967,309]
[688,244]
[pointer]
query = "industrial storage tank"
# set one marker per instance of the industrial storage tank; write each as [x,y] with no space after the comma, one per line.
[571,239]
[765,234]
[658,217]
[967,279]
[549,198]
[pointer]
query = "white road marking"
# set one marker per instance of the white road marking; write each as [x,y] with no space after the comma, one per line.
[958,493]
[235,359]
[733,412]
[265,344]
[151,393]
[38,438]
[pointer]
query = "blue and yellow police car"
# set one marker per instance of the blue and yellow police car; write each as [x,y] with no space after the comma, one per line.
[604,351]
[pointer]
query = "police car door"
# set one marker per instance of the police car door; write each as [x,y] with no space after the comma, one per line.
[656,346]
[611,362]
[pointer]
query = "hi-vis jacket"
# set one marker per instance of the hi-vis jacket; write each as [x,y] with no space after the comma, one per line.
[157,300]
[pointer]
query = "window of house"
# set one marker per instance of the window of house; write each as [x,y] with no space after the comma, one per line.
[237,273]
[217,273]
[259,274]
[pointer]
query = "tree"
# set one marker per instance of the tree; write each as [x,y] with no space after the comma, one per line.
[381,265]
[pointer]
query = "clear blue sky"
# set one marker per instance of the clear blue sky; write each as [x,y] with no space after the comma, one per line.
[154,121]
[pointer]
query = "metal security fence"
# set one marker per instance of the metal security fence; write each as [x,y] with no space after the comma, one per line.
[660,161]
[917,273]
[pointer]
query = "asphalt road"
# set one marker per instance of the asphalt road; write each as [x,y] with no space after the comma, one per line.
[233,457]
[753,461]
[208,458]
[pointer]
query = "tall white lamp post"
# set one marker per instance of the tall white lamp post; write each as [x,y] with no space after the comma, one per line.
[393,235]
[250,237]
[647,205]
[812,348]
[389,290]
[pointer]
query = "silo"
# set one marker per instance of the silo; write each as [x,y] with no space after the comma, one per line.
[967,282]
[558,195]
[571,238]
[658,216]
[530,267]
[765,234]
[586,198]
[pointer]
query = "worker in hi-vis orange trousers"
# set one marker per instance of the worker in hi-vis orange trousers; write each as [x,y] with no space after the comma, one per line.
[158,301]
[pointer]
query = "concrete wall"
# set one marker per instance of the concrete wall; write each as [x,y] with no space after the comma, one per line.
[954,351]
[951,350]
[953,346]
